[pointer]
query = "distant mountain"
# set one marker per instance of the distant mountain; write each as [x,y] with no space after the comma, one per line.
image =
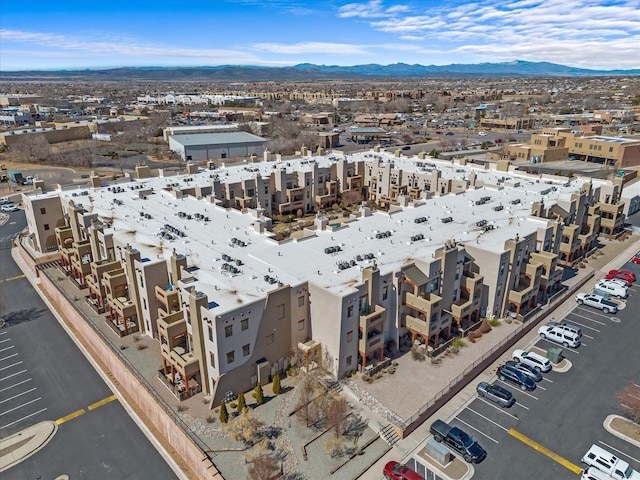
[311,72]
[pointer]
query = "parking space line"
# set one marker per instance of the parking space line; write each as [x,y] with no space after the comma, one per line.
[20,406]
[566,348]
[541,388]
[102,402]
[502,410]
[585,326]
[15,385]
[18,395]
[10,356]
[587,336]
[7,340]
[545,451]
[547,380]
[71,416]
[591,319]
[522,405]
[12,365]
[474,428]
[12,375]
[620,452]
[521,391]
[23,418]
[8,348]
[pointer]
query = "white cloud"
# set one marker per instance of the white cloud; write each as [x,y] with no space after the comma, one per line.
[311,47]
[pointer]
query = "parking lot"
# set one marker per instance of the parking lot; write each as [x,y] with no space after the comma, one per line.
[548,430]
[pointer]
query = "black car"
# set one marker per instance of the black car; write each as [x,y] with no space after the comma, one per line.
[526,369]
[507,373]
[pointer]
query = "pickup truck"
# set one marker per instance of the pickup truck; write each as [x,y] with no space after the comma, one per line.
[596,301]
[458,441]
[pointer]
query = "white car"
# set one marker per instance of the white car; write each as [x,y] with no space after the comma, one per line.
[482,134]
[9,207]
[558,334]
[540,363]
[614,289]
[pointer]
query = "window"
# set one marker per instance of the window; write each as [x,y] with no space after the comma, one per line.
[228,330]
[210,333]
[270,338]
[46,226]
[349,360]
[385,292]
[43,211]
[245,350]
[212,359]
[280,312]
[349,336]
[301,325]
[350,311]
[144,303]
[244,323]
[300,301]
[231,356]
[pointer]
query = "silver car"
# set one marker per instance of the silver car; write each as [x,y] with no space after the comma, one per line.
[496,393]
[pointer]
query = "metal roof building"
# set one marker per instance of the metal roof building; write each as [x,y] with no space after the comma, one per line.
[208,146]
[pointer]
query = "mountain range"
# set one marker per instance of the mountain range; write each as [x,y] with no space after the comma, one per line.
[311,72]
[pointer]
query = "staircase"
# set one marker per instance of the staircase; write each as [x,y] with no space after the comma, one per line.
[389,434]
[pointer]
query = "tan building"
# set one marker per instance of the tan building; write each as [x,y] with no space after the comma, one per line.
[192,260]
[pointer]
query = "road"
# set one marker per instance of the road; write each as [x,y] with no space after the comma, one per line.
[43,376]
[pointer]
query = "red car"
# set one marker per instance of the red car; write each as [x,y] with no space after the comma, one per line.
[397,471]
[636,259]
[627,275]
[438,132]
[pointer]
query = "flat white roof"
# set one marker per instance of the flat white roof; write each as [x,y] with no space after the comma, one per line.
[209,242]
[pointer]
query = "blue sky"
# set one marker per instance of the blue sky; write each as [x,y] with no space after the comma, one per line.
[79,34]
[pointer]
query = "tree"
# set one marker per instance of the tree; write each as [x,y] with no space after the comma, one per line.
[263,468]
[336,410]
[242,404]
[258,394]
[224,414]
[629,398]
[276,384]
[305,409]
[245,428]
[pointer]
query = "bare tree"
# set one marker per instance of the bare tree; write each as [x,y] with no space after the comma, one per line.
[263,468]
[336,410]
[629,398]
[245,428]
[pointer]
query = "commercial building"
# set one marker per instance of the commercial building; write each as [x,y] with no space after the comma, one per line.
[211,146]
[193,260]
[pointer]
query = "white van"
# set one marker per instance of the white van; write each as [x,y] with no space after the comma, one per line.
[614,289]
[592,473]
[610,464]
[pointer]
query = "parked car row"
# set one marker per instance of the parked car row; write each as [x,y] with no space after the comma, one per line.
[8,207]
[615,284]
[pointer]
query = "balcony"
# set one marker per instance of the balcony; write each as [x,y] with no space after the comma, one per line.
[185,362]
[168,297]
[463,307]
[418,324]
[171,327]
[425,303]
[473,283]
[371,318]
[373,341]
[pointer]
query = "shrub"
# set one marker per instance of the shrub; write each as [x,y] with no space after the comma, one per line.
[224,414]
[241,402]
[457,342]
[141,346]
[258,394]
[233,405]
[494,322]
[276,384]
[210,419]
[182,408]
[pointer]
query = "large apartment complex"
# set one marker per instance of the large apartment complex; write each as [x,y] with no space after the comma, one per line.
[193,260]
